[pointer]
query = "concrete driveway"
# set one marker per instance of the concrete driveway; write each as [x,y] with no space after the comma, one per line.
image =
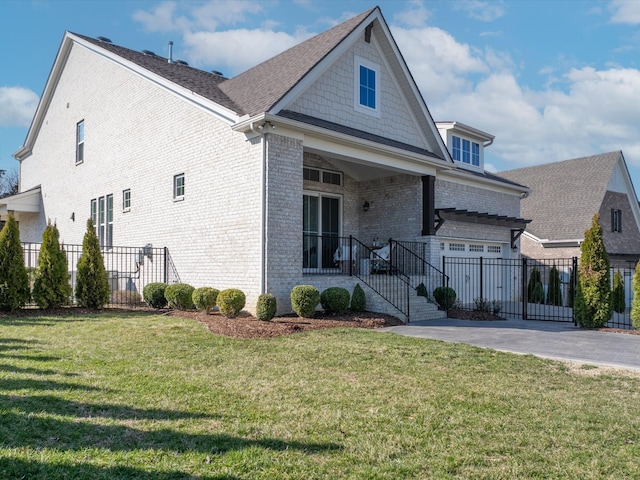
[554,340]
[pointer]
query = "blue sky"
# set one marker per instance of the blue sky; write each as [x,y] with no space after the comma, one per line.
[552,80]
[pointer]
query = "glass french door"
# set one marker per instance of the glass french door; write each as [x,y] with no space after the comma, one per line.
[321,230]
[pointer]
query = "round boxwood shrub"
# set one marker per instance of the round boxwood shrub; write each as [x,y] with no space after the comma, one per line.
[179,296]
[445,297]
[231,301]
[358,299]
[153,294]
[266,307]
[304,299]
[204,298]
[335,300]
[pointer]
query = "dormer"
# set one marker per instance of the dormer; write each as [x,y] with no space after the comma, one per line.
[466,144]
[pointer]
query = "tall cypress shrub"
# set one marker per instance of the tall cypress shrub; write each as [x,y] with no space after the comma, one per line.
[92,284]
[535,290]
[14,280]
[51,288]
[593,307]
[554,294]
[617,294]
[635,303]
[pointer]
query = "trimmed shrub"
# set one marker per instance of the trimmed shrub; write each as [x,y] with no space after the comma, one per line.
[51,288]
[358,299]
[179,296]
[231,302]
[635,303]
[593,307]
[554,294]
[535,290]
[481,305]
[445,297]
[153,294]
[422,291]
[335,300]
[14,279]
[617,294]
[204,298]
[126,297]
[304,299]
[92,284]
[266,307]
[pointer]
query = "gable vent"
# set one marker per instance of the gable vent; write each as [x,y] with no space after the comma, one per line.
[104,39]
[149,53]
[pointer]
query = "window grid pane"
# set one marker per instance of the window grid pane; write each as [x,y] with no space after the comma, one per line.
[178,186]
[456,148]
[109,229]
[80,142]
[367,87]
[126,199]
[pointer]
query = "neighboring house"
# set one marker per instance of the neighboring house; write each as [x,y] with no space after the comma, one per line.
[259,181]
[565,196]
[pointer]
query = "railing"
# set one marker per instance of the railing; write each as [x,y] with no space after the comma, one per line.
[129,269]
[409,258]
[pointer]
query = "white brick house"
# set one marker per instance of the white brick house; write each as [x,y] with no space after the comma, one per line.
[253,182]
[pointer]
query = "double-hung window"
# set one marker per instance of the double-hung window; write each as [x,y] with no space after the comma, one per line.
[178,187]
[126,200]
[366,86]
[465,151]
[102,218]
[80,142]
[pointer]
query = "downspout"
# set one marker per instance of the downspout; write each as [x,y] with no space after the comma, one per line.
[263,210]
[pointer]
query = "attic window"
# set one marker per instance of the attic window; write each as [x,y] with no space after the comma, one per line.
[616,220]
[465,151]
[366,86]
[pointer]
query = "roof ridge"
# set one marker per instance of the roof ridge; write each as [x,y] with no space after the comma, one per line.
[276,76]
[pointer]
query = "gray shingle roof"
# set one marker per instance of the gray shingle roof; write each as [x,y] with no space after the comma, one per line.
[203,83]
[564,195]
[260,87]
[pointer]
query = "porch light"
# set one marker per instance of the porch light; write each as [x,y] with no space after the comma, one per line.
[365,206]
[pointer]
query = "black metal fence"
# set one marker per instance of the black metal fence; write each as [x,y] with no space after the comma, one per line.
[129,269]
[532,289]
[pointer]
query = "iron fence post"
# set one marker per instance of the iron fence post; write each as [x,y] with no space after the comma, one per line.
[523,285]
[166,264]
[573,280]
[351,256]
[481,277]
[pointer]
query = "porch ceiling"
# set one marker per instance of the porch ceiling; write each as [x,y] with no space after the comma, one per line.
[24,202]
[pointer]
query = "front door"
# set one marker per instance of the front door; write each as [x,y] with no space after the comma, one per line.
[321,230]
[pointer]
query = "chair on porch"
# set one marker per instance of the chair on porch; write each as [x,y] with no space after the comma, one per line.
[342,256]
[380,259]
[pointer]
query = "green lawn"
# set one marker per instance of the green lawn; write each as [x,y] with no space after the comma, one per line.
[154,397]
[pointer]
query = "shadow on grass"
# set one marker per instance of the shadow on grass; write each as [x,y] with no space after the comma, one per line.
[33,371]
[34,316]
[31,384]
[11,469]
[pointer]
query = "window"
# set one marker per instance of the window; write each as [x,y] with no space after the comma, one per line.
[80,142]
[456,247]
[494,249]
[465,151]
[178,187]
[102,218]
[616,220]
[323,176]
[476,248]
[366,86]
[126,200]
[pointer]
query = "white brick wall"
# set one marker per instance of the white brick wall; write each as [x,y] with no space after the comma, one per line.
[138,136]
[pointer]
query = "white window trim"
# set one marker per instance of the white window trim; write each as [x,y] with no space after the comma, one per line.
[79,142]
[321,171]
[357,61]
[471,141]
[176,197]
[125,207]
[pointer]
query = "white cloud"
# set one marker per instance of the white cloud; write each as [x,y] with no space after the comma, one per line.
[625,11]
[160,19]
[484,11]
[17,106]
[231,52]
[416,15]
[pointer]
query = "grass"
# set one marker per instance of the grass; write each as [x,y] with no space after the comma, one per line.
[152,397]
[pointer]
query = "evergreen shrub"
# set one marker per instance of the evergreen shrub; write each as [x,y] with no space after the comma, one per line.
[535,290]
[304,299]
[445,297]
[14,279]
[358,299]
[153,294]
[266,307]
[92,284]
[179,296]
[204,298]
[335,300]
[51,287]
[231,302]
[635,303]
[554,294]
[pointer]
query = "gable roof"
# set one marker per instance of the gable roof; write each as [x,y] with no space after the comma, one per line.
[565,195]
[261,87]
